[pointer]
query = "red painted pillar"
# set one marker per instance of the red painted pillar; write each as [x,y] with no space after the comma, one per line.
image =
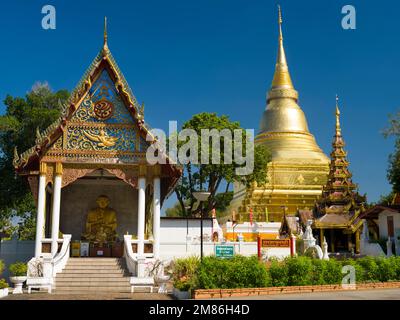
[292,245]
[259,247]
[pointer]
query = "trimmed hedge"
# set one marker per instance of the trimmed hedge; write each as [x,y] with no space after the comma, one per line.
[248,272]
[238,272]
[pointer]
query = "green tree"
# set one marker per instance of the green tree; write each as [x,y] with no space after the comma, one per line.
[24,115]
[212,177]
[393,173]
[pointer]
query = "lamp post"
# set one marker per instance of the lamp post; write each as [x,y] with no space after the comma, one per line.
[201,196]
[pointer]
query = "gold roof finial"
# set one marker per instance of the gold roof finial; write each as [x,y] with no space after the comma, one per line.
[281,77]
[105,46]
[338,129]
[105,31]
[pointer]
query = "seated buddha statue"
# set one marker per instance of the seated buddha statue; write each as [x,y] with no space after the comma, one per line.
[101,223]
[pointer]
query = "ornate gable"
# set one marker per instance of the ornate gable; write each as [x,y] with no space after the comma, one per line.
[102,121]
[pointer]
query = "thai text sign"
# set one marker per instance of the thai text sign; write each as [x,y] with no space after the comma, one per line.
[277,243]
[224,251]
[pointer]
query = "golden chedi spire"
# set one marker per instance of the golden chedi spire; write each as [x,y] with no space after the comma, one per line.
[298,168]
[283,116]
[281,77]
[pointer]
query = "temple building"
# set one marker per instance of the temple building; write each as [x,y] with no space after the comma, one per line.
[89,174]
[299,168]
[337,214]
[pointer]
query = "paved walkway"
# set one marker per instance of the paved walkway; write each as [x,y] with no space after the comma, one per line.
[375,294]
[110,296]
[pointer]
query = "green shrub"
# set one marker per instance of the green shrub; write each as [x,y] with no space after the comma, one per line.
[370,269]
[396,263]
[386,269]
[3,284]
[278,273]
[18,269]
[299,271]
[333,272]
[237,272]
[2,266]
[184,273]
[318,271]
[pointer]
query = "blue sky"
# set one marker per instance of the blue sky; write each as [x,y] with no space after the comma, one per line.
[184,57]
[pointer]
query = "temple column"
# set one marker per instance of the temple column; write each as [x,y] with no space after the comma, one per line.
[332,240]
[156,213]
[55,220]
[141,209]
[349,242]
[357,235]
[40,209]
[321,237]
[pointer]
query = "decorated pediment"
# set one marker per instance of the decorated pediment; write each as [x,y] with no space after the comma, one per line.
[102,121]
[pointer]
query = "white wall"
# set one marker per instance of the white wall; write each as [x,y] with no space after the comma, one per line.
[175,244]
[175,230]
[382,222]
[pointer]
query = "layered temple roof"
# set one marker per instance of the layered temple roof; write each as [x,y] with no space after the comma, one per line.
[340,203]
[101,126]
[103,61]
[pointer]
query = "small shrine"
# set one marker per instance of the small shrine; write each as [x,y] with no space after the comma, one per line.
[337,214]
[88,170]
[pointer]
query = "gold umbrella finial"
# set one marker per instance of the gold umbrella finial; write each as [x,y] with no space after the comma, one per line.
[337,113]
[281,77]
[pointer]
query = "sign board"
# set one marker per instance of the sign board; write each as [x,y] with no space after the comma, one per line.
[275,243]
[84,249]
[224,251]
[75,248]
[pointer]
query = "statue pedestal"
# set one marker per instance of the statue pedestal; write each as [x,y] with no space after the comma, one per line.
[117,250]
[96,251]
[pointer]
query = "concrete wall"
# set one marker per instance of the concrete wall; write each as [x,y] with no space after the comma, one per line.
[79,197]
[173,250]
[175,230]
[14,250]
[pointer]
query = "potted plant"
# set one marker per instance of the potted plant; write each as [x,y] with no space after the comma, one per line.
[18,271]
[3,282]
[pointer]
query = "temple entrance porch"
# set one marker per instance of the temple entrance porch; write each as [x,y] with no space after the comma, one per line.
[131,200]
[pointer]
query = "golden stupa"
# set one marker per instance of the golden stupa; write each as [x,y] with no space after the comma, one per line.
[299,167]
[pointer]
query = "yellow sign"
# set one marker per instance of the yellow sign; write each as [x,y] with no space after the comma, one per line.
[277,243]
[76,249]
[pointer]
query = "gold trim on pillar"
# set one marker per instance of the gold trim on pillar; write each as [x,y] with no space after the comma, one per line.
[59,169]
[43,168]
[142,170]
[156,171]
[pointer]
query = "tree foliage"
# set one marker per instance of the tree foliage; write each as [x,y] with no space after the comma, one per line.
[212,177]
[38,109]
[393,173]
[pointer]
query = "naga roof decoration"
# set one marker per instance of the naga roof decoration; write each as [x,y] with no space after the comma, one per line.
[103,61]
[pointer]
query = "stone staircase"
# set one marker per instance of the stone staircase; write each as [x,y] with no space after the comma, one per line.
[93,275]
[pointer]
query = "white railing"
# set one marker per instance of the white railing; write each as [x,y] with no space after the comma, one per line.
[61,259]
[130,258]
